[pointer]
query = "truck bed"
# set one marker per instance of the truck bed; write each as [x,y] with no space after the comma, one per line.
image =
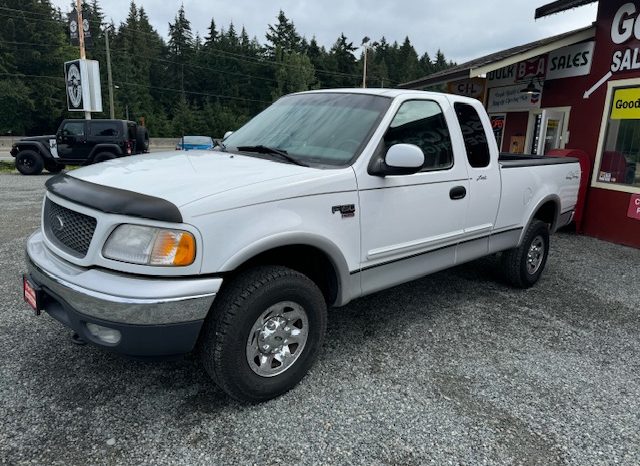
[509,160]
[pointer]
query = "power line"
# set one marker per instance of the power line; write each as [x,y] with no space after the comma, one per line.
[224,53]
[190,65]
[125,83]
[193,92]
[21,75]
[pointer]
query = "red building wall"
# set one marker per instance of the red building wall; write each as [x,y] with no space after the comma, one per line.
[606,210]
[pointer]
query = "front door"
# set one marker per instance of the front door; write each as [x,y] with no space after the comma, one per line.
[551,131]
[72,141]
[411,223]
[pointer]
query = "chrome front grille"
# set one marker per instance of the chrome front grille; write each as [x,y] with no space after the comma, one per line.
[71,231]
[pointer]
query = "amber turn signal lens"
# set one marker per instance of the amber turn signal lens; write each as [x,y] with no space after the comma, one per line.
[171,247]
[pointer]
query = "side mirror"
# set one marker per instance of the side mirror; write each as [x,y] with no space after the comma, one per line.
[227,134]
[400,159]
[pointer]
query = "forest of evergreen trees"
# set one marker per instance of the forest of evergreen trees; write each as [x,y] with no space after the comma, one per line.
[199,85]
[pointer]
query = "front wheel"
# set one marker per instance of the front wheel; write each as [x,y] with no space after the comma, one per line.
[264,333]
[523,265]
[29,162]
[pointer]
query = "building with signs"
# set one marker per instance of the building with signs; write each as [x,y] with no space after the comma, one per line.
[578,90]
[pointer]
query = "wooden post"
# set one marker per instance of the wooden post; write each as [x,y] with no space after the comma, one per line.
[109,78]
[83,55]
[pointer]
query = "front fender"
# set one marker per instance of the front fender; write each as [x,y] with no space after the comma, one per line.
[39,147]
[344,277]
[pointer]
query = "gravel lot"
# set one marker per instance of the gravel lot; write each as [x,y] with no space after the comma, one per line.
[454,368]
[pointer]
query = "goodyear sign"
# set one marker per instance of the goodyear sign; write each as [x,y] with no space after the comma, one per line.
[626,104]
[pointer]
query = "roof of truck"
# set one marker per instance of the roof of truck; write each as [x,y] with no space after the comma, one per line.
[385,92]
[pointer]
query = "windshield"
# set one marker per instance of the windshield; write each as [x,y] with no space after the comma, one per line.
[199,140]
[323,128]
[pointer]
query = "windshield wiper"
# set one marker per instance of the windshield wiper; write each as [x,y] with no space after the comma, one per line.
[260,149]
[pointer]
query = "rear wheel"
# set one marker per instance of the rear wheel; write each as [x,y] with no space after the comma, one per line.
[103,156]
[29,162]
[264,333]
[523,265]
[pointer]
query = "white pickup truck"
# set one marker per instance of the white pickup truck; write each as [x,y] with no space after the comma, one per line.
[324,197]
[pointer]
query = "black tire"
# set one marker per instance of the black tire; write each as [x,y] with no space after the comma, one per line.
[29,162]
[521,269]
[103,157]
[236,315]
[142,139]
[54,168]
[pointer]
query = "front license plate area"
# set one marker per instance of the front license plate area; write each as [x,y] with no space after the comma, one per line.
[32,294]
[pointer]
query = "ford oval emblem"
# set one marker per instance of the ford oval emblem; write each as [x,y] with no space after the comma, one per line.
[58,224]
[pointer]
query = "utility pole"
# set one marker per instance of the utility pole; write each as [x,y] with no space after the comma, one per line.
[83,55]
[109,77]
[365,45]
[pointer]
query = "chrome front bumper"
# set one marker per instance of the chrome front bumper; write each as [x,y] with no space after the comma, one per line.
[118,297]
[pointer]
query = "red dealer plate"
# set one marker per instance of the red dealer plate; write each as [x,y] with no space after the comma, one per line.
[30,294]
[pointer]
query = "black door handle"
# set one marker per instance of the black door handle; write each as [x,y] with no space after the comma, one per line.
[458,192]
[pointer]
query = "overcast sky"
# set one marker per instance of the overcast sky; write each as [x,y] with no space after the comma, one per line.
[462,29]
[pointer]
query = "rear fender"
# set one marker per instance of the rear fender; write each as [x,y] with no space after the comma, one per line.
[532,215]
[113,148]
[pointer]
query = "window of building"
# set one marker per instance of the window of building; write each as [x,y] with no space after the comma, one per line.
[473,134]
[422,123]
[618,163]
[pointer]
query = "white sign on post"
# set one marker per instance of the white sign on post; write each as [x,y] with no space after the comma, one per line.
[82,82]
[574,60]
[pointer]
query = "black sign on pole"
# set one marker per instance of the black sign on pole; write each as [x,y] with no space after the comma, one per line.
[74,83]
[73,28]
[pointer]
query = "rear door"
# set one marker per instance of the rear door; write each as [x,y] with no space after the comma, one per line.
[103,132]
[484,180]
[412,223]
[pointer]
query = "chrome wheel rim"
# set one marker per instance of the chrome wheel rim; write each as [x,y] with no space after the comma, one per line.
[277,339]
[535,255]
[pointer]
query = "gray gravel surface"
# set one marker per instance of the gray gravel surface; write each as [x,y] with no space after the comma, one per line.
[455,368]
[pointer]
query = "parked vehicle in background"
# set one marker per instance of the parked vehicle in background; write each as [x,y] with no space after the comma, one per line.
[79,142]
[195,143]
[324,197]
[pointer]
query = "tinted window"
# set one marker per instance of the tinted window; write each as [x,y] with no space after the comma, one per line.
[73,129]
[103,129]
[421,122]
[474,135]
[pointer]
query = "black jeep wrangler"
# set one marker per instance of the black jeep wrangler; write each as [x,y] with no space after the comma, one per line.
[79,142]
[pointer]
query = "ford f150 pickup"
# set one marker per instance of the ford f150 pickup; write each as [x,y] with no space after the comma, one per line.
[324,197]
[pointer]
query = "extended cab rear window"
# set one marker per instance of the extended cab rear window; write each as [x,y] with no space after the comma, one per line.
[474,135]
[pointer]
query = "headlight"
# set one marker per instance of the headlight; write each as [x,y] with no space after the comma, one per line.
[138,244]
